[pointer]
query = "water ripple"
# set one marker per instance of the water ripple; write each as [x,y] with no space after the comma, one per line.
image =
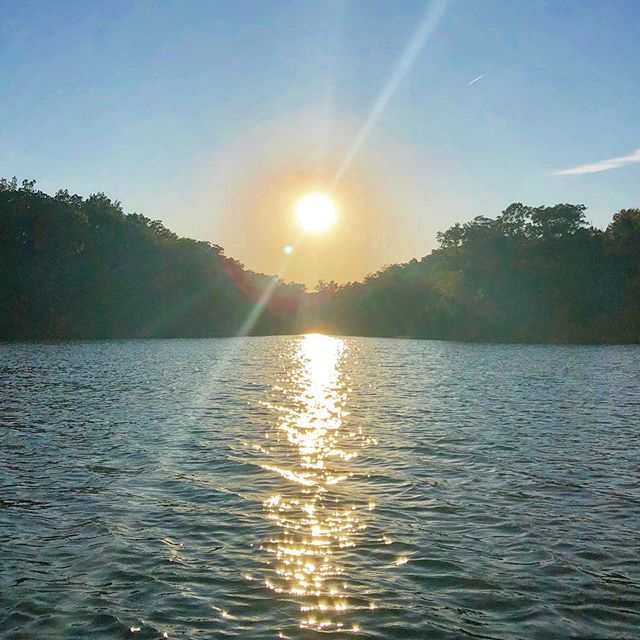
[299,487]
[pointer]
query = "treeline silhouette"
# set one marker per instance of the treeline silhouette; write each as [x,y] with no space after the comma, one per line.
[533,274]
[75,268]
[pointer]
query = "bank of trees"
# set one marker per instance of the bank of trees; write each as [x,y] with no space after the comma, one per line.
[81,268]
[532,274]
[73,267]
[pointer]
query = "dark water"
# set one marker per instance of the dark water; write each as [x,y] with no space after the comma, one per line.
[313,487]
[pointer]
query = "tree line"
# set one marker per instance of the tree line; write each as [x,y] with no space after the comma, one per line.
[532,274]
[76,268]
[81,268]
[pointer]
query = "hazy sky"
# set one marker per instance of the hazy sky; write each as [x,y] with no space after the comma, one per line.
[213,116]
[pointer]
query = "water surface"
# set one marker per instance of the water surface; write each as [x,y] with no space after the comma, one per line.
[314,487]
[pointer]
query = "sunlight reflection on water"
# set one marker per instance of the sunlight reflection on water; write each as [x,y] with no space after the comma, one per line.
[162,493]
[315,522]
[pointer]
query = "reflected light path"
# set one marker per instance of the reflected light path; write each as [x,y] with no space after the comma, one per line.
[316,523]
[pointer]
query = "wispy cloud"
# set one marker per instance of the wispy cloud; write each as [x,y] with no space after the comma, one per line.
[602,165]
[475,80]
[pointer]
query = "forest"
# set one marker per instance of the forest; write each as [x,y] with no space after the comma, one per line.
[81,268]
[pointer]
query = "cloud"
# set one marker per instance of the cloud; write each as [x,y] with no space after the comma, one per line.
[602,165]
[475,80]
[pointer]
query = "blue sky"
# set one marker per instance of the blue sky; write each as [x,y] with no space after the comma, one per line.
[158,103]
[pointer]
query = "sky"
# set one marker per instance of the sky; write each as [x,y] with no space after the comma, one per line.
[215,116]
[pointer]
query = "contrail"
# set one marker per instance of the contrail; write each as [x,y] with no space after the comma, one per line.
[601,165]
[475,80]
[426,27]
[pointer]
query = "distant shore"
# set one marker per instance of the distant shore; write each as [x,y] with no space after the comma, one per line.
[78,268]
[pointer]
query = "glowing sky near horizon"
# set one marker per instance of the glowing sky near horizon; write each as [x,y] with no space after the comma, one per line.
[205,114]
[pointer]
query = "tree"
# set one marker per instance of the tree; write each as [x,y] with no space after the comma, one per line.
[557,221]
[72,267]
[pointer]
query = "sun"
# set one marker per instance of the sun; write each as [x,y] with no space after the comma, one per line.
[316,212]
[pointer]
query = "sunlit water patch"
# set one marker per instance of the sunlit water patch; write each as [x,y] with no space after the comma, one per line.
[308,487]
[311,446]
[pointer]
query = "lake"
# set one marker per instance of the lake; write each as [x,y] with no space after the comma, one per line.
[314,486]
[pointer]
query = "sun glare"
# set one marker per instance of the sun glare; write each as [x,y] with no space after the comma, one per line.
[316,212]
